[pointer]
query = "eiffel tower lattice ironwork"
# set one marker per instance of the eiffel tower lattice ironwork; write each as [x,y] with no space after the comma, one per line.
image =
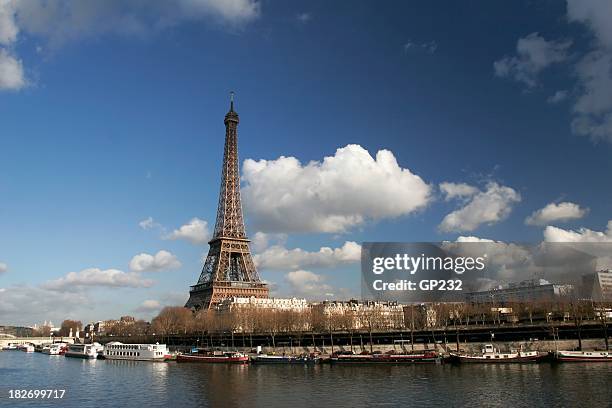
[229,269]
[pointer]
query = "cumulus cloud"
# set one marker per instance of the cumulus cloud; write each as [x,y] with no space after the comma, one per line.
[95,277]
[309,284]
[281,258]
[596,15]
[593,108]
[3,267]
[486,207]
[12,76]
[556,212]
[195,231]
[457,190]
[149,223]
[555,234]
[22,305]
[429,46]
[161,261]
[534,53]
[557,97]
[262,240]
[333,195]
[65,20]
[59,21]
[304,17]
[149,306]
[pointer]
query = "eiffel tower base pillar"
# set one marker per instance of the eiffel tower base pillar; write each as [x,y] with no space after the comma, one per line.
[207,296]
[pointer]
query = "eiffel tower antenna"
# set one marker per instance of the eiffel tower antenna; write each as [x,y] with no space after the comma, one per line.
[229,269]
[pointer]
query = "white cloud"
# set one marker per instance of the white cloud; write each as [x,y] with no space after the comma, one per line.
[534,54]
[306,283]
[161,261]
[59,21]
[333,195]
[23,305]
[148,223]
[507,255]
[8,27]
[3,267]
[12,76]
[556,212]
[593,108]
[304,17]
[457,190]
[195,231]
[149,306]
[557,97]
[596,14]
[486,207]
[555,234]
[278,257]
[262,240]
[429,46]
[65,20]
[95,277]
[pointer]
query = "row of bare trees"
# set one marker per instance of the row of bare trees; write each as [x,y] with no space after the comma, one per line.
[443,316]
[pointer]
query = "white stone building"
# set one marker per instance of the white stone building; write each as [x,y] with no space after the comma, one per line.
[284,304]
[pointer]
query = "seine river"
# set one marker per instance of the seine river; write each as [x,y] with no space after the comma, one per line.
[100,383]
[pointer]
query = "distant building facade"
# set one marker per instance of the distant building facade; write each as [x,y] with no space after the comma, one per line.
[597,286]
[380,315]
[284,304]
[533,290]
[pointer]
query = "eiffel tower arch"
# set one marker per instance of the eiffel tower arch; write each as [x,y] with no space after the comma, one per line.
[229,269]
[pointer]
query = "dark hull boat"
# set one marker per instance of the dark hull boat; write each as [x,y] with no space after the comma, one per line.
[201,356]
[266,359]
[582,356]
[388,358]
[490,355]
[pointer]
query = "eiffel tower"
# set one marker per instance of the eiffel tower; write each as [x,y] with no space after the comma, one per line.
[229,269]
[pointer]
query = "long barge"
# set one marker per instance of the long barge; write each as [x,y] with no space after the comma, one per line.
[582,356]
[203,356]
[389,358]
[490,355]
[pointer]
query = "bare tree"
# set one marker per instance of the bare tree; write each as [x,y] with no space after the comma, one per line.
[68,325]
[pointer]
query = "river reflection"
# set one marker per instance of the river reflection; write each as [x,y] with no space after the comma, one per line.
[111,383]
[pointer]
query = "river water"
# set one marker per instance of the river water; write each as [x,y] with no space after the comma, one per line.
[105,383]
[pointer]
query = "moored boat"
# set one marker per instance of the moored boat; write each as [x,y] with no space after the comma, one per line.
[284,359]
[54,349]
[491,355]
[140,352]
[28,348]
[83,350]
[391,357]
[204,356]
[582,356]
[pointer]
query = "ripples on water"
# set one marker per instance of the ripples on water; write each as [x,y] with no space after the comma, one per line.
[106,383]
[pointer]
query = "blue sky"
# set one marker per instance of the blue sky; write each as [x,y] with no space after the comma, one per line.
[112,113]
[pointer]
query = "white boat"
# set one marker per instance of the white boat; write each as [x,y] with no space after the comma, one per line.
[28,348]
[83,350]
[141,352]
[54,349]
[595,356]
[491,355]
